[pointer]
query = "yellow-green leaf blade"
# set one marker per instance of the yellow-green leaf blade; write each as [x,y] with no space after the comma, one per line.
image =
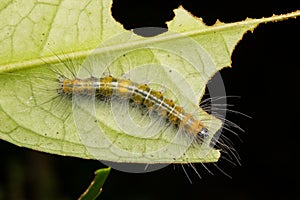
[33,29]
[75,30]
[220,39]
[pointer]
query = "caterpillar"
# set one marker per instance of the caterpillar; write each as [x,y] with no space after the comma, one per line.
[140,94]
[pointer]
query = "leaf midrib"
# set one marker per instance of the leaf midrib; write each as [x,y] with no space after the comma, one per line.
[57,58]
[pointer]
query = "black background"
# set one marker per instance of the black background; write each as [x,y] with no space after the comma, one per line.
[264,74]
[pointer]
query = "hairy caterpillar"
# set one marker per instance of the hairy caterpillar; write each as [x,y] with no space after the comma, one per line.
[141,94]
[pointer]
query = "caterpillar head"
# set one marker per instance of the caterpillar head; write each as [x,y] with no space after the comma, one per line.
[203,133]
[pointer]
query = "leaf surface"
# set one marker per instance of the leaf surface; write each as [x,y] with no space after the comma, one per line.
[33,33]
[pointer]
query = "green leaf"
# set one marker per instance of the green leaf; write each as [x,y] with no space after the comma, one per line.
[95,188]
[182,59]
